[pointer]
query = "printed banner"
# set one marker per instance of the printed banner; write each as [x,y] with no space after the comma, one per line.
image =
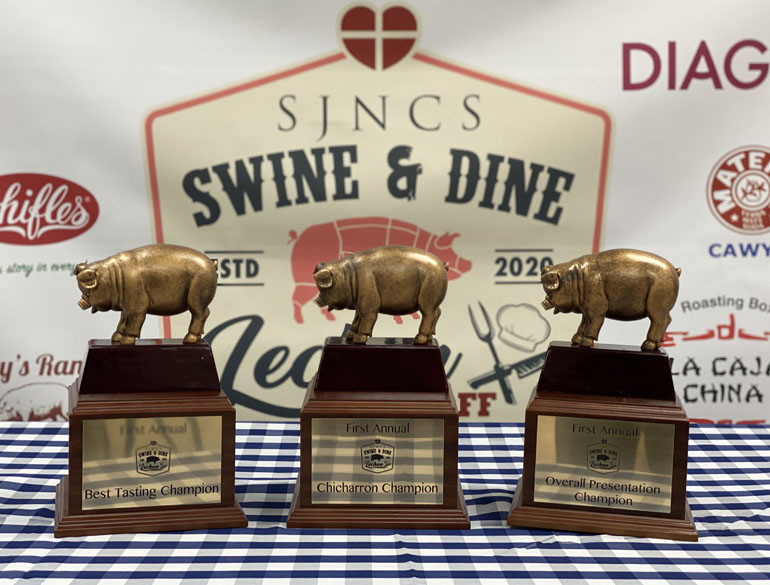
[502,138]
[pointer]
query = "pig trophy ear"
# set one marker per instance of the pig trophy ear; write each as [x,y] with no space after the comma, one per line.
[80,268]
[550,278]
[323,278]
[87,278]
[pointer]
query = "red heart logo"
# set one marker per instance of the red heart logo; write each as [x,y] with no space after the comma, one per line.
[378,39]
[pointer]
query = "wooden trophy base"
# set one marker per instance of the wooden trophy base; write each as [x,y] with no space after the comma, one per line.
[372,416]
[149,450]
[604,461]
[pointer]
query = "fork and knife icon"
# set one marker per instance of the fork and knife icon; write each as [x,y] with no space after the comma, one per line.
[500,372]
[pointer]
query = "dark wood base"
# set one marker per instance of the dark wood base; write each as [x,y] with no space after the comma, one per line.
[620,371]
[160,519]
[553,518]
[389,517]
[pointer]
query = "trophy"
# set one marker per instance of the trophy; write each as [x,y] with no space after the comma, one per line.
[379,425]
[605,439]
[152,435]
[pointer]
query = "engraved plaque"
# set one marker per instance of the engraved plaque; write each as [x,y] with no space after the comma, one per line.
[151,461]
[377,461]
[616,464]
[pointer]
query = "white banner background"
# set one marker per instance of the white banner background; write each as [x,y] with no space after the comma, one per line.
[78,79]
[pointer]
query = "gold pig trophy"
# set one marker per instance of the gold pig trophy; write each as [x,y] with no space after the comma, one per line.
[152,435]
[605,439]
[379,425]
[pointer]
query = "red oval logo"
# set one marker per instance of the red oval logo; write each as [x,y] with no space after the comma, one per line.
[40,209]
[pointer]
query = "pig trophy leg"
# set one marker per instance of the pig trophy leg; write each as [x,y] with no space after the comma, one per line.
[594,319]
[368,319]
[660,301]
[354,326]
[427,326]
[592,331]
[199,295]
[656,332]
[367,310]
[134,322]
[581,331]
[117,337]
[195,330]
[428,302]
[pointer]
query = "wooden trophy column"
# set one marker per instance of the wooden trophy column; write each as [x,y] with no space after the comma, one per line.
[605,446]
[378,440]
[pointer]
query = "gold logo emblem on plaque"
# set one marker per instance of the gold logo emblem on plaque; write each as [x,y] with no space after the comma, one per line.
[153,459]
[377,457]
[603,457]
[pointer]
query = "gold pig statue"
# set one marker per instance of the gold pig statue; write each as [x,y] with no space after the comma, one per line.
[618,284]
[394,280]
[159,279]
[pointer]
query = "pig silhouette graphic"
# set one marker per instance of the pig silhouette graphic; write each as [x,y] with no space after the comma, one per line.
[342,237]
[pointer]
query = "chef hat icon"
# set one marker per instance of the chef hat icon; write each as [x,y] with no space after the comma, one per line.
[522,326]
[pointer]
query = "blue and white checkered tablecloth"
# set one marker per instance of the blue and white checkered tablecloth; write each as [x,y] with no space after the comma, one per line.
[728,490]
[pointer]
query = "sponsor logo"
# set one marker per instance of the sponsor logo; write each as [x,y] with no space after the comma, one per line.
[377,457]
[43,209]
[743,67]
[724,366]
[603,457]
[153,459]
[738,191]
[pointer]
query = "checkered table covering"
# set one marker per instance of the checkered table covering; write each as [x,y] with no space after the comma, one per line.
[728,490]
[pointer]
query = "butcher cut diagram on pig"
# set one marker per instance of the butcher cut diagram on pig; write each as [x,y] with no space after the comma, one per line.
[342,237]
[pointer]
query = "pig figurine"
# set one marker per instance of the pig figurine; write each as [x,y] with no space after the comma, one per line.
[339,238]
[160,279]
[395,280]
[619,284]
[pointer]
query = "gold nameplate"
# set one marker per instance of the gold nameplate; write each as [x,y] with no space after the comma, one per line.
[604,463]
[151,461]
[377,461]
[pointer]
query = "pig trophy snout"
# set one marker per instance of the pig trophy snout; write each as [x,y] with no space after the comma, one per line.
[550,281]
[86,278]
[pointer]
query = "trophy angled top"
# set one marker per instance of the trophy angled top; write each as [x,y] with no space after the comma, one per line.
[617,284]
[394,280]
[159,279]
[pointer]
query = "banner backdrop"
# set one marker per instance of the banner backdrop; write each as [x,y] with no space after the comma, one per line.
[502,137]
